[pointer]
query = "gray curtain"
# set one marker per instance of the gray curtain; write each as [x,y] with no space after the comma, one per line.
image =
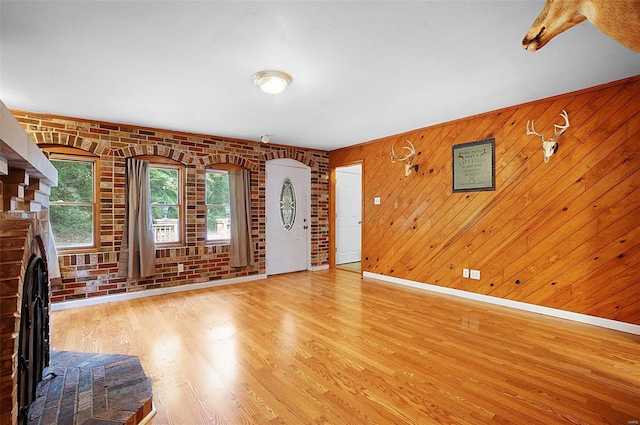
[240,250]
[138,251]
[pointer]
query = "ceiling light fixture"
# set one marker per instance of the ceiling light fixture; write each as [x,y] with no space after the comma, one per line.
[272,82]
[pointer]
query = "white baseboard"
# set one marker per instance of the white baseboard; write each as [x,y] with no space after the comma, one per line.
[152,292]
[318,268]
[150,416]
[576,317]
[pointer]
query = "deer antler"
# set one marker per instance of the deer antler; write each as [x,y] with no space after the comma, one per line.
[550,146]
[408,157]
[559,129]
[532,131]
[412,151]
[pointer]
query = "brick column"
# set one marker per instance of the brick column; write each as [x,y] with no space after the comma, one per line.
[16,247]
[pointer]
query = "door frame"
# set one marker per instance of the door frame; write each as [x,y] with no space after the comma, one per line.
[333,211]
[287,162]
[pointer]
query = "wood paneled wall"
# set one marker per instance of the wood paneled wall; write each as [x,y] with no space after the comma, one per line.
[563,234]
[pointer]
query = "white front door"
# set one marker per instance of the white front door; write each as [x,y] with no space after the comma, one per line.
[348,214]
[288,204]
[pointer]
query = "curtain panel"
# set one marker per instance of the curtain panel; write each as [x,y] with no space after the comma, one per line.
[241,248]
[138,250]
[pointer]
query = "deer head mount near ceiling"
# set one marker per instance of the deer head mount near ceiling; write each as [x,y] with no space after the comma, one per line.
[619,19]
[550,146]
[406,160]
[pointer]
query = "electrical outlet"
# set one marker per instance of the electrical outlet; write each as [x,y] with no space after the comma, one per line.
[465,273]
[180,268]
[376,200]
[475,274]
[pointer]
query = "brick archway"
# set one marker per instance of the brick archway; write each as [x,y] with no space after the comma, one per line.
[86,144]
[228,159]
[156,150]
[291,154]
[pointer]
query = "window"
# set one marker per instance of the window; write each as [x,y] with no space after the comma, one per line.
[73,204]
[287,205]
[218,206]
[166,181]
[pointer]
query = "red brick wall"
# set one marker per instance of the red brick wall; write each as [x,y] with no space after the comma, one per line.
[95,274]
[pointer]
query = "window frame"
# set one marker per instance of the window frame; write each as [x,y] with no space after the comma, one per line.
[67,153]
[168,163]
[224,167]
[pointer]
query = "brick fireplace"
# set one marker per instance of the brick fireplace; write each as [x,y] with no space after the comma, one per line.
[25,177]
[18,243]
[29,383]
[123,394]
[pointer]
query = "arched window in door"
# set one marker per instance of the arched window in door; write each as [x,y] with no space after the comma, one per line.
[287,204]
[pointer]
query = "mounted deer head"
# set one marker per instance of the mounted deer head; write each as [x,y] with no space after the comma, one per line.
[406,160]
[619,19]
[550,146]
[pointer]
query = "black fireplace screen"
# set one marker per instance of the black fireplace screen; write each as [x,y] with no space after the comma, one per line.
[33,345]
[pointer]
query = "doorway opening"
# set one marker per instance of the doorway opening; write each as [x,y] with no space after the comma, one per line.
[348,225]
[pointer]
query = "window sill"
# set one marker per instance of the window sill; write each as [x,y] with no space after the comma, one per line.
[221,242]
[77,251]
[166,245]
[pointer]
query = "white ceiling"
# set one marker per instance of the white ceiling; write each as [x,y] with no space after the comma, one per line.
[361,70]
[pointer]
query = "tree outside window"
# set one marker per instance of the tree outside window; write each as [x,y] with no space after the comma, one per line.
[72,206]
[218,206]
[165,187]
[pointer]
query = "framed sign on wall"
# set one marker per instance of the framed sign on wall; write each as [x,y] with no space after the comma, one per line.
[474,166]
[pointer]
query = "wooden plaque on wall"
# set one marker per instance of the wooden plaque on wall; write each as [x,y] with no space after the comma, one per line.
[474,166]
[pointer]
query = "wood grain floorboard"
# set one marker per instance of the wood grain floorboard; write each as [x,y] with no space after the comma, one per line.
[330,347]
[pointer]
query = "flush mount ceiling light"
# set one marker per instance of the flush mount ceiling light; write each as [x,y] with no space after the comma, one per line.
[272,82]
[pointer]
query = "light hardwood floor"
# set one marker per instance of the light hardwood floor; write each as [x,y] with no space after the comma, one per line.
[352,267]
[329,347]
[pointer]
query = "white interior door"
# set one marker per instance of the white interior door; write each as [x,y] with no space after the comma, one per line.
[348,214]
[288,205]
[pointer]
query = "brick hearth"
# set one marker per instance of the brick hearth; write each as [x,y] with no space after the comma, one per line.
[92,389]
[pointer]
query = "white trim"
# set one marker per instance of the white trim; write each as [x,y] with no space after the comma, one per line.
[562,314]
[151,414]
[318,268]
[64,305]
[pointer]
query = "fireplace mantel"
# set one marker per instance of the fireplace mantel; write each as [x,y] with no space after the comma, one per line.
[18,151]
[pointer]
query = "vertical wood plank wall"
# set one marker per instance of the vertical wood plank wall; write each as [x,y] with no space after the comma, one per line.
[568,230]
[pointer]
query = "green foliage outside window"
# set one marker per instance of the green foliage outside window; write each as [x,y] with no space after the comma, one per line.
[165,203]
[164,192]
[71,204]
[218,208]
